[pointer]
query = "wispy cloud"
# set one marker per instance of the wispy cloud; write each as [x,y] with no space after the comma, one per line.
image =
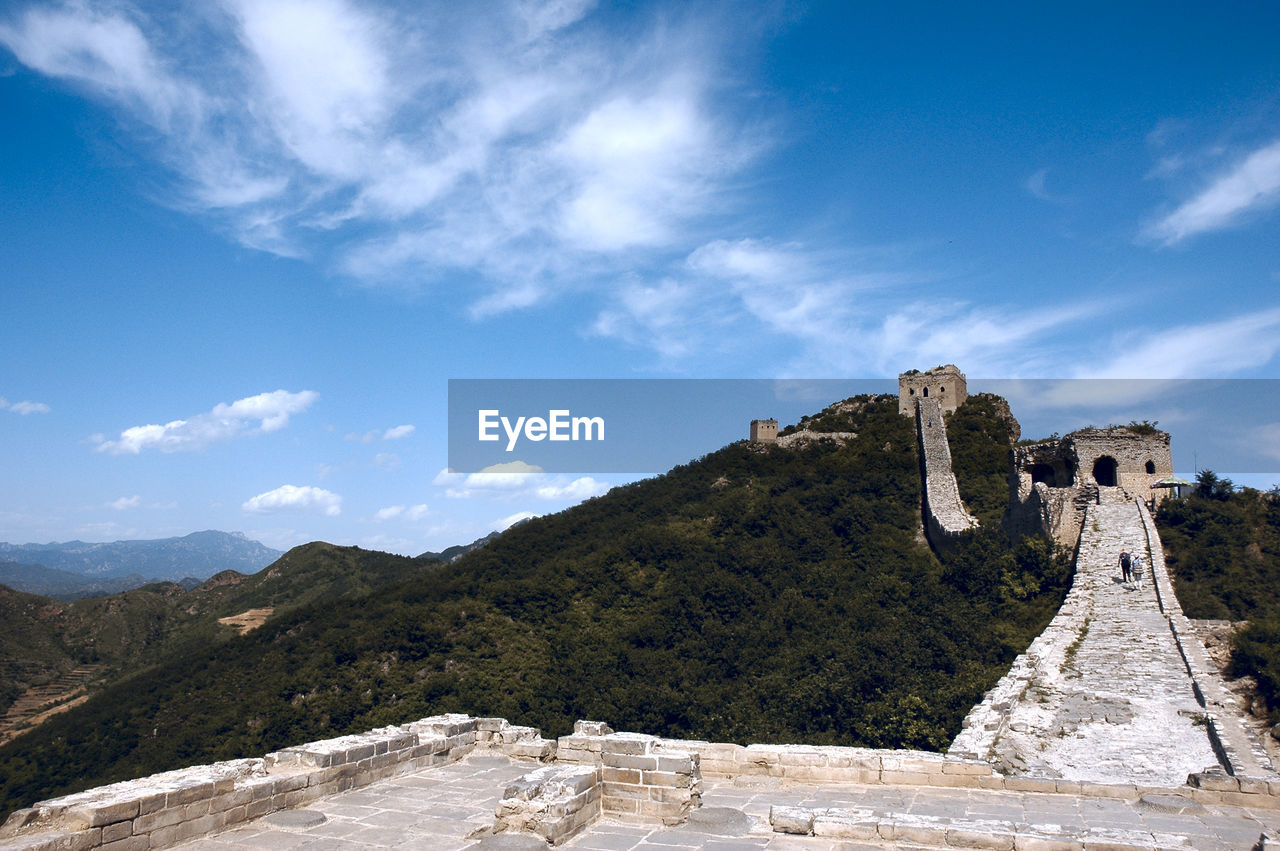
[1218,348]
[124,503]
[402,512]
[1036,185]
[394,433]
[263,413]
[295,498]
[1250,185]
[517,480]
[24,407]
[410,143]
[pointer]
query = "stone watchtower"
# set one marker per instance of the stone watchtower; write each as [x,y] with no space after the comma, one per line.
[946,384]
[764,431]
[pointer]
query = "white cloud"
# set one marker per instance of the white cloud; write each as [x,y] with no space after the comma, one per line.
[1036,185]
[510,520]
[1206,350]
[394,433]
[387,461]
[104,51]
[578,489]
[125,502]
[405,512]
[1250,185]
[24,407]
[292,497]
[398,432]
[641,166]
[263,413]
[517,480]
[1265,439]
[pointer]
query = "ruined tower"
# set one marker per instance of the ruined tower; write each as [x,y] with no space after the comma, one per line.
[945,383]
[764,431]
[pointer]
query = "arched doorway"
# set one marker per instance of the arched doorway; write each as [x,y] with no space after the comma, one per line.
[1042,473]
[1104,471]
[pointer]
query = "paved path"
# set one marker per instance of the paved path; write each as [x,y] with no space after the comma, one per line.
[441,808]
[1117,704]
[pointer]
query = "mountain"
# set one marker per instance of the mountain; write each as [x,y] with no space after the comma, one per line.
[756,594]
[62,584]
[114,636]
[458,551]
[198,555]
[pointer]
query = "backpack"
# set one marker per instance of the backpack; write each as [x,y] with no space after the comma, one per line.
[1125,560]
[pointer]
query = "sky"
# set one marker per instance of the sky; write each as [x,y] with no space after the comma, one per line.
[244,246]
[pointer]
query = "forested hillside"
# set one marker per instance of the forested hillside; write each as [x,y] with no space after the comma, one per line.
[44,638]
[756,594]
[1222,546]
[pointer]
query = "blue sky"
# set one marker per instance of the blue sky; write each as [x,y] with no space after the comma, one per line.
[244,246]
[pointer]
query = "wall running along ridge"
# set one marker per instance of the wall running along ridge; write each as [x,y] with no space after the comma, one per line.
[945,514]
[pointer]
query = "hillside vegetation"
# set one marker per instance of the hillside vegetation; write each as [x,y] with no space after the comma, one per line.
[1222,546]
[756,594]
[44,638]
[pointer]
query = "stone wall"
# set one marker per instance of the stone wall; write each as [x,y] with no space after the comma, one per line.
[945,515]
[165,809]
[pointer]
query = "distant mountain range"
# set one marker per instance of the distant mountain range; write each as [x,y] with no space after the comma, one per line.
[77,569]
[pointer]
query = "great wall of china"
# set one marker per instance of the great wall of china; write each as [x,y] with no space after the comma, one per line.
[1113,730]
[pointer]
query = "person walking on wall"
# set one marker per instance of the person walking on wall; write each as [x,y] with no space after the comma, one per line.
[1126,566]
[1137,569]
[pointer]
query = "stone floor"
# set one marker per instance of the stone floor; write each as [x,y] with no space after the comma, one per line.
[1120,708]
[450,807]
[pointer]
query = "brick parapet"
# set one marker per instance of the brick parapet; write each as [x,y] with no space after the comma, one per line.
[660,778]
[1239,752]
[164,809]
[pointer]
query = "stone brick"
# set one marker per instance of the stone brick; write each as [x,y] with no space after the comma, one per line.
[619,760]
[99,814]
[188,794]
[1214,782]
[1030,784]
[1032,840]
[961,836]
[904,778]
[612,774]
[835,826]
[627,743]
[157,820]
[981,769]
[794,820]
[119,830]
[193,829]
[1253,785]
[130,843]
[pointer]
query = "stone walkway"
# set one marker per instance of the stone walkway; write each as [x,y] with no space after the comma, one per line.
[435,809]
[1117,705]
[449,807]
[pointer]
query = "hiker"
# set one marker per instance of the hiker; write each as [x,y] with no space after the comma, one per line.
[1126,566]
[1137,569]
